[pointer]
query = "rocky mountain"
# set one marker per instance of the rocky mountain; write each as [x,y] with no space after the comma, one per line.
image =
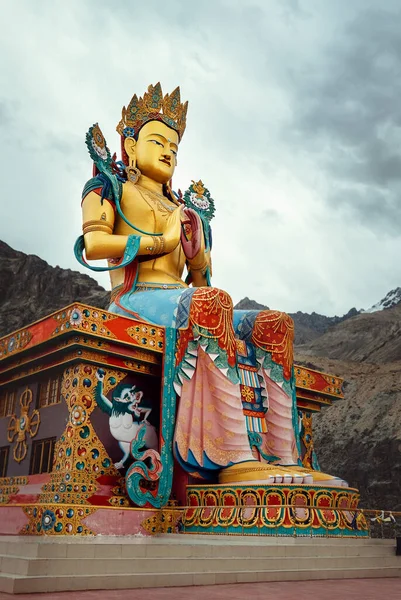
[368,337]
[393,298]
[248,304]
[31,289]
[359,438]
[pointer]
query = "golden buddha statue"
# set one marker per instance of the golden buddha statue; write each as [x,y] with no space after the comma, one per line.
[237,413]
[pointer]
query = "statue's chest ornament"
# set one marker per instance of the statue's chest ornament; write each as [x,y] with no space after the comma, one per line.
[154,200]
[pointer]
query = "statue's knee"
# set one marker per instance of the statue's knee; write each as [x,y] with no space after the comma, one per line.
[274,316]
[274,323]
[211,306]
[214,297]
[224,298]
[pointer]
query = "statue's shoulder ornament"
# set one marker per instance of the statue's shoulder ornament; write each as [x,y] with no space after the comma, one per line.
[198,198]
[108,174]
[107,181]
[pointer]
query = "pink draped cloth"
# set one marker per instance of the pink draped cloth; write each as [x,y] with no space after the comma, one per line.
[210,421]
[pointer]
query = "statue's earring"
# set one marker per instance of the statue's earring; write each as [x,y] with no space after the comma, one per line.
[132,171]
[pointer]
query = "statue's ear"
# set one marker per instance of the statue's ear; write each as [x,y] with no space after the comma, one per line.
[130,146]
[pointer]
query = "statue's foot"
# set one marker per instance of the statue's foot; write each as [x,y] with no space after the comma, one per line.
[319,478]
[253,471]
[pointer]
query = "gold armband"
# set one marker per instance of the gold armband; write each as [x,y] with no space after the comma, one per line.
[97,228]
[202,268]
[97,225]
[158,245]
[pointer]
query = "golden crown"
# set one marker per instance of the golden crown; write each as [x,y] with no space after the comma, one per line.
[154,107]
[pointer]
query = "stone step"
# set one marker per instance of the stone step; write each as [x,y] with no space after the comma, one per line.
[268,540]
[118,566]
[14,584]
[70,548]
[195,540]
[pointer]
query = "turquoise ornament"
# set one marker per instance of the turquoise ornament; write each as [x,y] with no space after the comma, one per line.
[198,198]
[140,470]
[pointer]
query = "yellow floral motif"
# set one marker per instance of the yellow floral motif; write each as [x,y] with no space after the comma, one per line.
[304,377]
[247,393]
[23,426]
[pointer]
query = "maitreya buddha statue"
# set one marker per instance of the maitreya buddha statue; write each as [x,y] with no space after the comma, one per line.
[237,415]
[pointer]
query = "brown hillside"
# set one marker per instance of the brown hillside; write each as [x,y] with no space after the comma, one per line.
[368,337]
[31,289]
[359,438]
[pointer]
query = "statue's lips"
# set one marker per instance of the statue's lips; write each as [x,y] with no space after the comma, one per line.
[165,161]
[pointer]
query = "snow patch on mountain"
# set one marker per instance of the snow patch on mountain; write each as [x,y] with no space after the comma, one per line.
[391,299]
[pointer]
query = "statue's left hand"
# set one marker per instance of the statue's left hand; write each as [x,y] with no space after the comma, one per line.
[191,233]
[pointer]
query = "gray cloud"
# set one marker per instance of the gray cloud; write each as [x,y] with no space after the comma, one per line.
[375,208]
[270,215]
[293,124]
[350,117]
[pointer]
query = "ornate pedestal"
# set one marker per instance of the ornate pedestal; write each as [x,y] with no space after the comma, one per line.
[279,510]
[58,451]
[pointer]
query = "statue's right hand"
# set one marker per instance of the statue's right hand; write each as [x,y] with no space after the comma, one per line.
[172,234]
[192,243]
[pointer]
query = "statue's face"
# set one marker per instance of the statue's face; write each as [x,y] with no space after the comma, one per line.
[127,395]
[156,151]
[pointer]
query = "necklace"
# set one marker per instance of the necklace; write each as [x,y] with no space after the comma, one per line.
[157,200]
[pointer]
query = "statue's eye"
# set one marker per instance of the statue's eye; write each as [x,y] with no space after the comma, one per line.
[156,142]
[174,152]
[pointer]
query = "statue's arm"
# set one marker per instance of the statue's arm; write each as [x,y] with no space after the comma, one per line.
[98,225]
[198,275]
[102,243]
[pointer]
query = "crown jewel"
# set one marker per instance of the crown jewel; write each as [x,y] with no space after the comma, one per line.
[153,107]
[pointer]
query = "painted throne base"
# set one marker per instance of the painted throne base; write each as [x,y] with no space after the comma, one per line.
[83,520]
[277,510]
[76,503]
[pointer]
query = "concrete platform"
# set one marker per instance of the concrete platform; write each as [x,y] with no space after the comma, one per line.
[65,563]
[350,589]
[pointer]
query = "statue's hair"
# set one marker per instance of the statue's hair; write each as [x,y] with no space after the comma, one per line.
[120,388]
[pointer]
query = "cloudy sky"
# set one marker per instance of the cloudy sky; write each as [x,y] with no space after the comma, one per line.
[294,124]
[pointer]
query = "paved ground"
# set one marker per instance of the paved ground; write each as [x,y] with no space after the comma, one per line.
[350,589]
